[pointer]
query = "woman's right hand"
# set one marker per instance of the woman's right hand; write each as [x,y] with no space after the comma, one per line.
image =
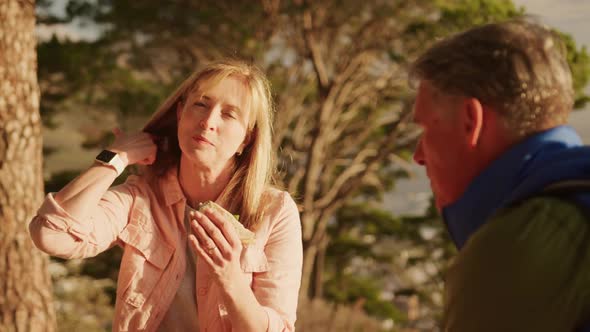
[137,148]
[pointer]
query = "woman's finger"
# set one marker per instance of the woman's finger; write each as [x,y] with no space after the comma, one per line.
[147,161]
[213,232]
[208,244]
[195,245]
[210,227]
[225,226]
[117,132]
[144,162]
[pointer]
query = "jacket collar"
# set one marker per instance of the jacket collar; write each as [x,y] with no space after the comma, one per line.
[550,156]
[170,187]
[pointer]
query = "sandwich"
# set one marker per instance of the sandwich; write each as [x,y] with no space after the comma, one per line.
[246,236]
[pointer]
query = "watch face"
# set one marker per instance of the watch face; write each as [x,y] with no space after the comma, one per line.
[106,156]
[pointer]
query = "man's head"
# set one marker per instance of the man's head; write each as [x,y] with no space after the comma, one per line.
[480,92]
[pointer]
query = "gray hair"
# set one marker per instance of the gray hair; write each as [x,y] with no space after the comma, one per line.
[517,67]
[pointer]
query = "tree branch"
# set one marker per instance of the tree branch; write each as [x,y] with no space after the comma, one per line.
[388,145]
[357,166]
[314,50]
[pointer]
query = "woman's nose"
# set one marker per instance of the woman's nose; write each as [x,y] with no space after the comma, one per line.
[209,121]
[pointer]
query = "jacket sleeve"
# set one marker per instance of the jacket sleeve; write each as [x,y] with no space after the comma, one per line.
[277,289]
[526,269]
[56,232]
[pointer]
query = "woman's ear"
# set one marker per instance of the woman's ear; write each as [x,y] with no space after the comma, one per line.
[243,145]
[473,121]
[247,140]
[179,107]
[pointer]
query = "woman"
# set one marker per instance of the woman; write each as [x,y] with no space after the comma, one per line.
[185,270]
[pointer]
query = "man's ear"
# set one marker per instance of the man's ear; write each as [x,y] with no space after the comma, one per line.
[473,120]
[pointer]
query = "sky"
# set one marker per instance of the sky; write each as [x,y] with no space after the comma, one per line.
[570,16]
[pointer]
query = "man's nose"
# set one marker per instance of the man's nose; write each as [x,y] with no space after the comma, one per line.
[419,154]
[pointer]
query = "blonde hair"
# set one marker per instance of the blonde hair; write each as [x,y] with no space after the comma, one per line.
[254,168]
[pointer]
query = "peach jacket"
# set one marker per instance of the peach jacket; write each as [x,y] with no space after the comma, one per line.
[151,231]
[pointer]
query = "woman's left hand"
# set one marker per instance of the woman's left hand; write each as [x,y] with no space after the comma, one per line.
[216,241]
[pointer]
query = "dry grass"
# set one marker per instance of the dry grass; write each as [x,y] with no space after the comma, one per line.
[319,315]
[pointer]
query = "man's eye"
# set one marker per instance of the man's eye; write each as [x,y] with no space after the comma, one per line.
[415,129]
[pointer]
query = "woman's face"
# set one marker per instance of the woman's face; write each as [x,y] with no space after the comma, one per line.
[212,124]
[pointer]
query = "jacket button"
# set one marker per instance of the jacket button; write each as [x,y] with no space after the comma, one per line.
[202,291]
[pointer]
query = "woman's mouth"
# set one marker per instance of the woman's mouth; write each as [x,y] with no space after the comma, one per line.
[202,139]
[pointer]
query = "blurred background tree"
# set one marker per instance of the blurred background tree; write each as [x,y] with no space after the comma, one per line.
[339,76]
[26,302]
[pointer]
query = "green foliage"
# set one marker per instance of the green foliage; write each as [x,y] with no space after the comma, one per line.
[66,66]
[88,74]
[463,14]
[360,227]
[349,289]
[375,221]
[104,266]
[365,232]
[59,180]
[83,303]
[98,142]
[579,62]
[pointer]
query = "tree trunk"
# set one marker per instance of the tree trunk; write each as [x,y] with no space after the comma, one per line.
[315,242]
[320,266]
[25,286]
[309,256]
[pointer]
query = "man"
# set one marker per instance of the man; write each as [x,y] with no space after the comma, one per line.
[493,103]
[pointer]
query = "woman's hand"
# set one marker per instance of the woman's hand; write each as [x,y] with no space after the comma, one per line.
[137,148]
[216,241]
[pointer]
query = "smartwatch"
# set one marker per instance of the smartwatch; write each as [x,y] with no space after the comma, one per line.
[110,158]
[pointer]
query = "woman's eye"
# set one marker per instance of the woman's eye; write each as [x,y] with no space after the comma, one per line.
[230,115]
[200,104]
